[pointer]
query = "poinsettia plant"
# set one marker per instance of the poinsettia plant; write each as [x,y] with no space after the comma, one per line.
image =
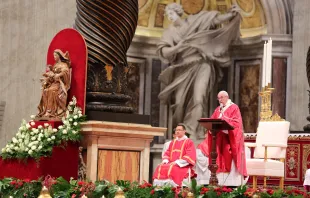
[19,187]
[61,188]
[39,142]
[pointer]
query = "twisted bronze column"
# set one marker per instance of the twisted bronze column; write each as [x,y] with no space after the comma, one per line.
[108,27]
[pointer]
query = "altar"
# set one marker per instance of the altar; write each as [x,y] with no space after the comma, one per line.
[118,151]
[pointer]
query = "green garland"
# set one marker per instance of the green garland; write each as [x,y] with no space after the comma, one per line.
[60,188]
[39,142]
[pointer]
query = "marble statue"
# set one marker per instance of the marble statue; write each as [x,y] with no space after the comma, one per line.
[195,48]
[55,86]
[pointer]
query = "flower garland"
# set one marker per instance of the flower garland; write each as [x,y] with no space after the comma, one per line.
[60,188]
[39,142]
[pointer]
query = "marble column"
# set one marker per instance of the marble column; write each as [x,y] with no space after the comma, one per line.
[298,95]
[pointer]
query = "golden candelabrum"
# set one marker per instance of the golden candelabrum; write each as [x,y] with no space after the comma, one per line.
[265,109]
[44,193]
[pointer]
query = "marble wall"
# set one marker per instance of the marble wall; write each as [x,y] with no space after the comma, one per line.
[247,84]
[279,81]
[26,29]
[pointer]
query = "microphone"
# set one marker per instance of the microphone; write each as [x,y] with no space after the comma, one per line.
[221,106]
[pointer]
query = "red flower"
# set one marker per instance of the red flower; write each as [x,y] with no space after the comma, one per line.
[13,182]
[152,192]
[298,192]
[217,189]
[203,190]
[249,192]
[225,189]
[145,185]
[218,193]
[73,196]
[27,180]
[270,191]
[289,192]
[80,183]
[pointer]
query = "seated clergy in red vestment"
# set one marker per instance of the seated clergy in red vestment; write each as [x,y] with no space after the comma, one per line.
[178,160]
[229,146]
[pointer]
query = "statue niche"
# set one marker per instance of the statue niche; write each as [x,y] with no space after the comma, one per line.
[55,86]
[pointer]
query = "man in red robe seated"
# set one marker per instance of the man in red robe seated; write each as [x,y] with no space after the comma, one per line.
[229,145]
[178,160]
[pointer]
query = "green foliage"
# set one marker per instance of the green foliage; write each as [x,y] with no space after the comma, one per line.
[39,142]
[101,189]
[19,188]
[5,186]
[60,188]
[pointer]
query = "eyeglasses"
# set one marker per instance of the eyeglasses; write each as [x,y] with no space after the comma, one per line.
[221,97]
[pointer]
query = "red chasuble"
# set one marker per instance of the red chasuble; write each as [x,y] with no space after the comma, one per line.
[229,146]
[183,149]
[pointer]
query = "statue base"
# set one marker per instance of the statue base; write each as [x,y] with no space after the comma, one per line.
[307,127]
[47,119]
[108,102]
[118,117]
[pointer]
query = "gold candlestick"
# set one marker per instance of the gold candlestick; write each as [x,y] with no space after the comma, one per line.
[266,111]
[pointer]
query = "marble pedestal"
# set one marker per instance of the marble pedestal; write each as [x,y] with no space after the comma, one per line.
[112,136]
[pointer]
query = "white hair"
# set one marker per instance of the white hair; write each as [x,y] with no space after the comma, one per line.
[175,7]
[224,93]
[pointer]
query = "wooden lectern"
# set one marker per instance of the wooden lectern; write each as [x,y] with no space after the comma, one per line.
[214,125]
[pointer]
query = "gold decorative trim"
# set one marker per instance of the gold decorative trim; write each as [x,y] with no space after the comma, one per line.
[290,163]
[109,69]
[292,137]
[182,148]
[301,138]
[276,117]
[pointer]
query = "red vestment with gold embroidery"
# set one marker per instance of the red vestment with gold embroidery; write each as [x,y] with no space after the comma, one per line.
[229,146]
[178,150]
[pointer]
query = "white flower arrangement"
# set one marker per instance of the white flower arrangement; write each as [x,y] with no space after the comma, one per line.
[38,142]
